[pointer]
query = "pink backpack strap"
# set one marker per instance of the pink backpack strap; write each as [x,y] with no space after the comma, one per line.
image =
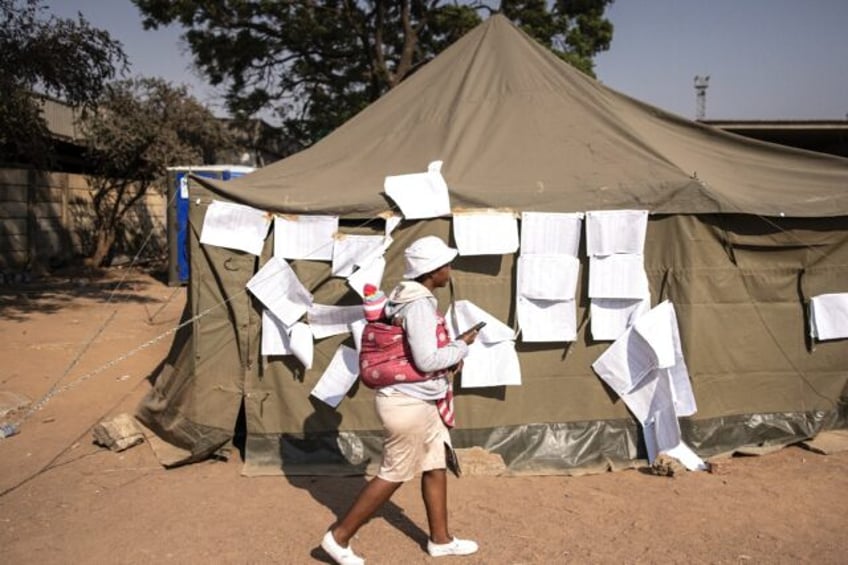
[445,408]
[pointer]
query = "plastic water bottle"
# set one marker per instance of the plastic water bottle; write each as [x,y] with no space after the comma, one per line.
[8,430]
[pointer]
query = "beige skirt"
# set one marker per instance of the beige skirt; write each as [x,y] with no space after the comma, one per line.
[415,437]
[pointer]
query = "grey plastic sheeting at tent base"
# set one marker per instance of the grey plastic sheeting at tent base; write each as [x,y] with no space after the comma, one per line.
[536,449]
[731,433]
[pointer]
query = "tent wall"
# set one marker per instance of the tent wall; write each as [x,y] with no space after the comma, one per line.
[739,283]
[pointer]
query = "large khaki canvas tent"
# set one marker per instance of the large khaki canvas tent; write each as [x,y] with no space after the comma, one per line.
[741,235]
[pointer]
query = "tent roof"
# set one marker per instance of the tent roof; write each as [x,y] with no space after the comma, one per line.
[519,128]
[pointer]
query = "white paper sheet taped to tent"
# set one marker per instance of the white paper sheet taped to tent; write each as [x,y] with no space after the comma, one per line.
[276,285]
[829,316]
[546,320]
[305,237]
[374,253]
[642,399]
[356,329]
[611,316]
[275,335]
[681,389]
[350,250]
[485,232]
[463,314]
[618,276]
[661,331]
[660,417]
[548,277]
[278,339]
[235,226]
[630,365]
[636,354]
[326,320]
[300,339]
[615,231]
[550,233]
[492,359]
[657,327]
[656,396]
[491,364]
[662,432]
[339,376]
[626,362]
[368,274]
[420,195]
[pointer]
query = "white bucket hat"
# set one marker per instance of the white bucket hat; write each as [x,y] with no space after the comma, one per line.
[426,255]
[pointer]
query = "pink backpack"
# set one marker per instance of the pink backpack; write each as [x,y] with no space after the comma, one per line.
[385,359]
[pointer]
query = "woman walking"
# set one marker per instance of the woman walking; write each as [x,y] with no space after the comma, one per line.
[414,405]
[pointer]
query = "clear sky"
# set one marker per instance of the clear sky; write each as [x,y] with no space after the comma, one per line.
[767,59]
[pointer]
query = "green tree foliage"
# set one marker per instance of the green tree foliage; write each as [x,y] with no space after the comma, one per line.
[65,58]
[140,128]
[316,63]
[576,30]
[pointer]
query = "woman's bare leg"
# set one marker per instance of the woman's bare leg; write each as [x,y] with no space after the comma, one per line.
[434,490]
[370,499]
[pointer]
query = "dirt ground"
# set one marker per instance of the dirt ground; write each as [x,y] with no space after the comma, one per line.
[65,500]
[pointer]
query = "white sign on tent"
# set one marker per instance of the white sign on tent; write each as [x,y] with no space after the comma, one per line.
[420,195]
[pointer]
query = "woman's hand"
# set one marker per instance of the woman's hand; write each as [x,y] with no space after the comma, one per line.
[468,337]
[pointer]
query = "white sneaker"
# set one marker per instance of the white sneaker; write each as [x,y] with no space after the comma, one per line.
[341,555]
[455,547]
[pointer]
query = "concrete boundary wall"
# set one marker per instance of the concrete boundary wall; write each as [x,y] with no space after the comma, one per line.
[47,218]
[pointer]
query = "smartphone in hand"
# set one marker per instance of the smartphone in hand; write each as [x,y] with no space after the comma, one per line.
[476,327]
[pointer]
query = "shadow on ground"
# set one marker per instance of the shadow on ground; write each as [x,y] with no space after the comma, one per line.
[339,493]
[52,293]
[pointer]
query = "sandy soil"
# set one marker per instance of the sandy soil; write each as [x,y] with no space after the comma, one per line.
[65,500]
